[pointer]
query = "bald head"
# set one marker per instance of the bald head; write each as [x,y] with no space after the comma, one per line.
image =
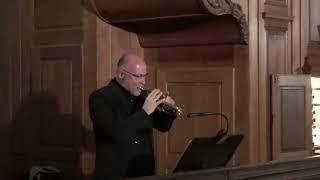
[131,72]
[128,60]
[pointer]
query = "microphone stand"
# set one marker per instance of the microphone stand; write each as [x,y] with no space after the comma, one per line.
[201,114]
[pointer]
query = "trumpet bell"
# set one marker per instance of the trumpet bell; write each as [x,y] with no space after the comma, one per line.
[169,108]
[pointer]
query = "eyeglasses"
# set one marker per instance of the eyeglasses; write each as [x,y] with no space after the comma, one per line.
[136,75]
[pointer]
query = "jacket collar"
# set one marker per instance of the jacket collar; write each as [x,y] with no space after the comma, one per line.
[122,91]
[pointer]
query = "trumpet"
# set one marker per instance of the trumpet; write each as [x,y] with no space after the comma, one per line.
[164,107]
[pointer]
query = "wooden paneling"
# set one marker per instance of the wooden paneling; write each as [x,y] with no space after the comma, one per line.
[112,43]
[68,51]
[274,57]
[26,24]
[57,14]
[207,90]
[176,60]
[15,74]
[87,149]
[53,36]
[296,36]
[291,116]
[45,90]
[242,123]
[5,89]
[314,55]
[293,99]
[104,61]
[5,79]
[58,71]
[277,53]
[304,28]
[47,125]
[253,70]
[309,22]
[196,33]
[314,15]
[52,81]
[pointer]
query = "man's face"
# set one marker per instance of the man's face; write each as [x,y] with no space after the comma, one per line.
[134,76]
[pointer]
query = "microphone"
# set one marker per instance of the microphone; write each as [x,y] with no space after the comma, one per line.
[202,114]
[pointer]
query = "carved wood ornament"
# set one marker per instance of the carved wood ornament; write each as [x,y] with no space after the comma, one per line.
[157,23]
[222,7]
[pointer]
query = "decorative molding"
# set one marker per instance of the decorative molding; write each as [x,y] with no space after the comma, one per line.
[277,17]
[218,7]
[224,7]
[283,3]
[276,22]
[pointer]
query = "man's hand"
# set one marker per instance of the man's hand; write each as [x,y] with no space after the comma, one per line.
[169,100]
[152,101]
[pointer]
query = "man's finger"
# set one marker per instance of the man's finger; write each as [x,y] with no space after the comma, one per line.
[160,101]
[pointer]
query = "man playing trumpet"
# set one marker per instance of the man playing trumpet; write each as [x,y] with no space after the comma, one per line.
[123,120]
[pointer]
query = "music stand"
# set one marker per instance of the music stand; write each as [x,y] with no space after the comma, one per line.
[208,152]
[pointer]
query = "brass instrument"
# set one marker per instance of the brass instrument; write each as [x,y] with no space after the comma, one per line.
[164,107]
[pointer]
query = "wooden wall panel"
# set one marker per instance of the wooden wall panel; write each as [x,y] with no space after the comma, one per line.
[309,22]
[37,113]
[208,90]
[292,112]
[178,59]
[314,15]
[291,117]
[58,71]
[46,126]
[274,57]
[87,149]
[104,62]
[277,53]
[16,84]
[242,123]
[112,43]
[253,70]
[296,36]
[314,54]
[57,14]
[56,23]
[185,129]
[48,24]
[56,78]
[5,79]
[5,90]
[58,36]
[304,28]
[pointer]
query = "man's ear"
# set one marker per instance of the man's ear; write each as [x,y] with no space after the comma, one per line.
[120,74]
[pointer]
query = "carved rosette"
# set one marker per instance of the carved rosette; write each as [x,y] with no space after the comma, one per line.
[222,7]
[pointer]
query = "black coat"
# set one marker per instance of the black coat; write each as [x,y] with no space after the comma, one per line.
[123,133]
